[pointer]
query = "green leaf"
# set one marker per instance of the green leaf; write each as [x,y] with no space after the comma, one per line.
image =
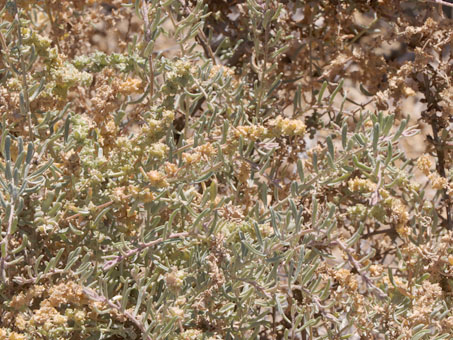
[344,135]
[252,249]
[101,215]
[41,170]
[354,238]
[300,170]
[400,129]
[8,148]
[335,92]
[321,92]
[29,153]
[421,334]
[375,137]
[148,49]
[330,147]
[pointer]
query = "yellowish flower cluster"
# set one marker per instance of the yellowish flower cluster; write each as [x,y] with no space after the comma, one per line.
[376,269]
[278,127]
[217,68]
[399,213]
[287,127]
[42,44]
[179,76]
[191,158]
[50,317]
[425,297]
[203,152]
[11,336]
[175,278]
[243,172]
[195,334]
[157,179]
[438,182]
[171,169]
[66,75]
[157,150]
[130,85]
[156,126]
[191,334]
[361,185]
[25,299]
[251,132]
[146,196]
[206,150]
[424,164]
[346,279]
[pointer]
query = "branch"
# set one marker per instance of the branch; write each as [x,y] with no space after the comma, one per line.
[378,292]
[5,245]
[439,2]
[112,263]
[24,76]
[148,40]
[91,294]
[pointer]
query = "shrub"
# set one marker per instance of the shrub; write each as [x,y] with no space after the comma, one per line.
[225,170]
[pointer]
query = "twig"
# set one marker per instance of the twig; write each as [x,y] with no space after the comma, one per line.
[377,232]
[378,292]
[256,167]
[375,196]
[439,2]
[5,244]
[206,46]
[52,23]
[438,144]
[21,281]
[202,39]
[24,77]
[148,39]
[141,247]
[129,24]
[254,284]
[104,205]
[91,294]
[262,74]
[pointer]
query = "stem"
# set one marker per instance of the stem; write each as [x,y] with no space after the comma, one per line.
[377,291]
[441,170]
[5,244]
[264,71]
[148,39]
[439,146]
[206,46]
[439,2]
[143,246]
[104,205]
[21,281]
[24,79]
[175,25]
[96,297]
[52,23]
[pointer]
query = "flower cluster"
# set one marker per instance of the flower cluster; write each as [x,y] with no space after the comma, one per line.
[225,170]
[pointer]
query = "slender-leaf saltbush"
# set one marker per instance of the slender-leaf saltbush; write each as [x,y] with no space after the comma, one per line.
[193,169]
